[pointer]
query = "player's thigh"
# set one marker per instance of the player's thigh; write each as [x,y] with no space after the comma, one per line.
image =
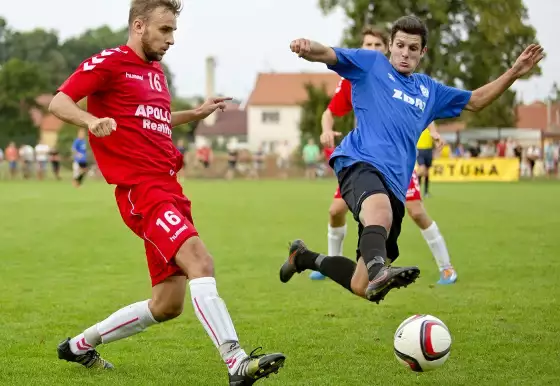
[365,194]
[418,214]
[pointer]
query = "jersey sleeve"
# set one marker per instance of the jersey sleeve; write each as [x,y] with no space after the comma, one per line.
[341,102]
[449,101]
[353,63]
[93,75]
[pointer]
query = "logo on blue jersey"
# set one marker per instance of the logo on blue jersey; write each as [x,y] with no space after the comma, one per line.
[417,102]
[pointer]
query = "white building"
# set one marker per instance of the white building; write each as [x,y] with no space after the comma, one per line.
[273,109]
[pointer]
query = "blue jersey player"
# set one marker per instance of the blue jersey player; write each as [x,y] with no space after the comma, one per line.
[79,153]
[374,162]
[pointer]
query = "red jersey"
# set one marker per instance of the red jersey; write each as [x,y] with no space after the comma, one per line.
[327,151]
[341,102]
[119,84]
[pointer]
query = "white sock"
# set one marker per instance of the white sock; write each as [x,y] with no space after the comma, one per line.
[437,245]
[125,322]
[214,316]
[336,240]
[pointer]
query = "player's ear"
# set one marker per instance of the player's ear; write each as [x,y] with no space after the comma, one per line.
[424,50]
[138,26]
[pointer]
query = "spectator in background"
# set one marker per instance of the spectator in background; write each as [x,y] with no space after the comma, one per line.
[233,159]
[54,156]
[12,155]
[501,148]
[205,155]
[258,162]
[42,158]
[533,154]
[459,151]
[510,148]
[550,158]
[283,161]
[311,154]
[517,151]
[27,155]
[487,150]
[474,149]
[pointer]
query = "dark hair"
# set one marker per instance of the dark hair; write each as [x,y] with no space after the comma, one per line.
[377,32]
[412,26]
[142,8]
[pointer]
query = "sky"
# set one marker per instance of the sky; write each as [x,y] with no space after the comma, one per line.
[250,36]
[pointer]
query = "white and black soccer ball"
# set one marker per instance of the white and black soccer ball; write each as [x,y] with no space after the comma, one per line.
[422,343]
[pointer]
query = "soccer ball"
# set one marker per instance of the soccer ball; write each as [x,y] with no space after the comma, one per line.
[422,342]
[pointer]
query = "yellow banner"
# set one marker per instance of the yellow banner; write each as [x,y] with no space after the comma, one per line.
[475,169]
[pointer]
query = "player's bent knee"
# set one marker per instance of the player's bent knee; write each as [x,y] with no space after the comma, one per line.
[418,214]
[165,309]
[337,211]
[194,259]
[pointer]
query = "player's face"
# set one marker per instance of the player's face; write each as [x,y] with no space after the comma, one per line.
[371,42]
[157,35]
[406,52]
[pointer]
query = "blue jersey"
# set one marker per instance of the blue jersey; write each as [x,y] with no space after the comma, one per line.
[79,149]
[391,111]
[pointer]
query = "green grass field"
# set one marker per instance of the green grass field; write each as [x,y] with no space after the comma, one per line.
[67,261]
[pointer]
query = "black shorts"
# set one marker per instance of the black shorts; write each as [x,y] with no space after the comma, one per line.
[232,164]
[361,180]
[82,164]
[425,157]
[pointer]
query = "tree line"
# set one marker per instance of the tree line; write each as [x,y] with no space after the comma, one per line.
[471,42]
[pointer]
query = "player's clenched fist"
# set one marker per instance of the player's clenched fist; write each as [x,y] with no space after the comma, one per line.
[102,127]
[301,46]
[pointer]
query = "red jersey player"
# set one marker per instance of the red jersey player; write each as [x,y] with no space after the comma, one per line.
[130,120]
[340,105]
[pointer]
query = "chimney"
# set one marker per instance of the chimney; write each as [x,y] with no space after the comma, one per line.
[210,87]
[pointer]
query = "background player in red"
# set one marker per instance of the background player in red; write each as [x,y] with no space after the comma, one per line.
[340,105]
[130,121]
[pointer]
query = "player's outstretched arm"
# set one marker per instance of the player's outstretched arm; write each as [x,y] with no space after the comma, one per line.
[201,112]
[64,108]
[313,51]
[486,94]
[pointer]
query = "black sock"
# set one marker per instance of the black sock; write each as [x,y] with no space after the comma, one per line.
[306,260]
[420,178]
[372,248]
[81,178]
[426,183]
[339,268]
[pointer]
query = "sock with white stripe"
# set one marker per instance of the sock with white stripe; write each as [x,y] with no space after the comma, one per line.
[437,245]
[127,321]
[214,316]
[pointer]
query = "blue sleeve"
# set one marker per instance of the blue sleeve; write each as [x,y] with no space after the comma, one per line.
[353,63]
[449,101]
[74,147]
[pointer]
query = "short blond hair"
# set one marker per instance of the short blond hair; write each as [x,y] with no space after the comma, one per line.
[142,8]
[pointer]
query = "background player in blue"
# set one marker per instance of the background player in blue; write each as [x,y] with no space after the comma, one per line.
[79,153]
[375,161]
